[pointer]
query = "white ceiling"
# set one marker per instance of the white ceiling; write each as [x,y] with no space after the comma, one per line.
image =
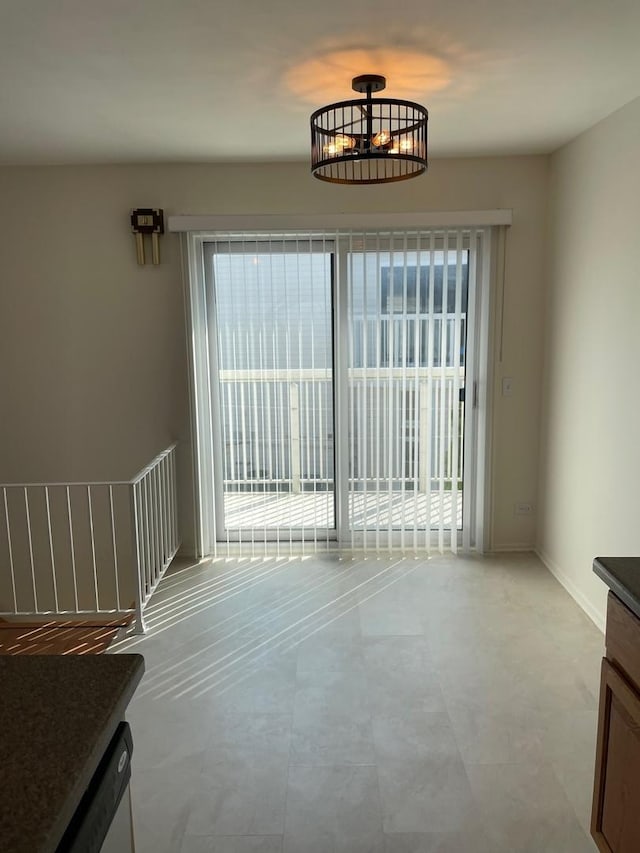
[99,81]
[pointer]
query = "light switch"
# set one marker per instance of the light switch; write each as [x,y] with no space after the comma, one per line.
[507,386]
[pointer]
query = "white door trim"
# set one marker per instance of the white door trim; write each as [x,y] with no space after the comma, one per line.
[428,220]
[479,374]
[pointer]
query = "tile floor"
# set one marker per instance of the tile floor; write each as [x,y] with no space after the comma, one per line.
[373,705]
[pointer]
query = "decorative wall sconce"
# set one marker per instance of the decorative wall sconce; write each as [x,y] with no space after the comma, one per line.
[147,220]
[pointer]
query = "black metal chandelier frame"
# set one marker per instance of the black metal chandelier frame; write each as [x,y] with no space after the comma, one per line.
[369,141]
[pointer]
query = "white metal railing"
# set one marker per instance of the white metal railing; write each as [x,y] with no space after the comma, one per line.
[300,455]
[88,548]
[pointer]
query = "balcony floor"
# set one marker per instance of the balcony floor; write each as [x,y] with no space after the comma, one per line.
[273,510]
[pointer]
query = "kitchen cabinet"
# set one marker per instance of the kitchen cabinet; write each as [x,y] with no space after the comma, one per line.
[615,817]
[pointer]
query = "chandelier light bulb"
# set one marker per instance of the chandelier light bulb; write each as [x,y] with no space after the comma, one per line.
[381,139]
[338,145]
[345,141]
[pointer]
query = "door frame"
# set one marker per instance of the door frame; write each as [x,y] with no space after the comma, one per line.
[200,340]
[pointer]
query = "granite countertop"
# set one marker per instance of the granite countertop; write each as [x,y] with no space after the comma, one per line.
[58,714]
[622,576]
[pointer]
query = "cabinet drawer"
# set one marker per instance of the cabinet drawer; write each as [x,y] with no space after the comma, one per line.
[623,639]
[615,816]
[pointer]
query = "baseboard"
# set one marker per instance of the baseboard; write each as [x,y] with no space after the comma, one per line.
[520,547]
[596,616]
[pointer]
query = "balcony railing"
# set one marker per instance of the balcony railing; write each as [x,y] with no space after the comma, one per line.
[278,432]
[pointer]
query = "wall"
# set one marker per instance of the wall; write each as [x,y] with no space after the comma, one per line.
[94,375]
[590,453]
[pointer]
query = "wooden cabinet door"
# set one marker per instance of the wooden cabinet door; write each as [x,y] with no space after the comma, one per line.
[615,817]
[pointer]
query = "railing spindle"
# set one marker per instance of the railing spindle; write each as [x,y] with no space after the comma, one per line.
[294,436]
[137,557]
[174,498]
[33,571]
[156,516]
[93,548]
[168,518]
[53,563]
[165,509]
[153,528]
[73,551]
[115,549]
[10,547]
[148,532]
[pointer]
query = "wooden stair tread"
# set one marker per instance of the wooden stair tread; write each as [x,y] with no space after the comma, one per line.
[58,637]
[93,622]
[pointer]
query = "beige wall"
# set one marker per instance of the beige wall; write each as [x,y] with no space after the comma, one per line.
[92,350]
[590,456]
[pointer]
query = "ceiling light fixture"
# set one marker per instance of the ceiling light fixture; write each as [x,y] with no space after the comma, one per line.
[369,141]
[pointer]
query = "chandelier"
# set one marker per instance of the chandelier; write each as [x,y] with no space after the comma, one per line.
[369,141]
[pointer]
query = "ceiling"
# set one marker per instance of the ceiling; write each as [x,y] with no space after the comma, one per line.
[89,81]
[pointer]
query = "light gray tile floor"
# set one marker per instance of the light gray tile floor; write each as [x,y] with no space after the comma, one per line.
[319,705]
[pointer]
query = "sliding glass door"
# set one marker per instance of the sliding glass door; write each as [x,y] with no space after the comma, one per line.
[339,374]
[272,373]
[407,308]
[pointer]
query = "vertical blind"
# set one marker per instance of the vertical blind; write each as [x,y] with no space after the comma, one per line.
[339,368]
[407,300]
[274,350]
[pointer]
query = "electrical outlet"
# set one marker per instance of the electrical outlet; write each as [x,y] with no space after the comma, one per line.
[523,509]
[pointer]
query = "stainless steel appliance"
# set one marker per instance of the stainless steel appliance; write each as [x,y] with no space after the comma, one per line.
[102,822]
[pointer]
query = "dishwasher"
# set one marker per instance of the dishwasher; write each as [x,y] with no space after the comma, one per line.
[102,822]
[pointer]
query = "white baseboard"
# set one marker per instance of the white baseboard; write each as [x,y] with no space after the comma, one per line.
[594,613]
[521,547]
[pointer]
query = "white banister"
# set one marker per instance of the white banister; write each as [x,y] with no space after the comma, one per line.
[88,548]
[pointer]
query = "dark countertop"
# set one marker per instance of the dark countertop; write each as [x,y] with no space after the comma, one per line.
[622,576]
[58,714]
